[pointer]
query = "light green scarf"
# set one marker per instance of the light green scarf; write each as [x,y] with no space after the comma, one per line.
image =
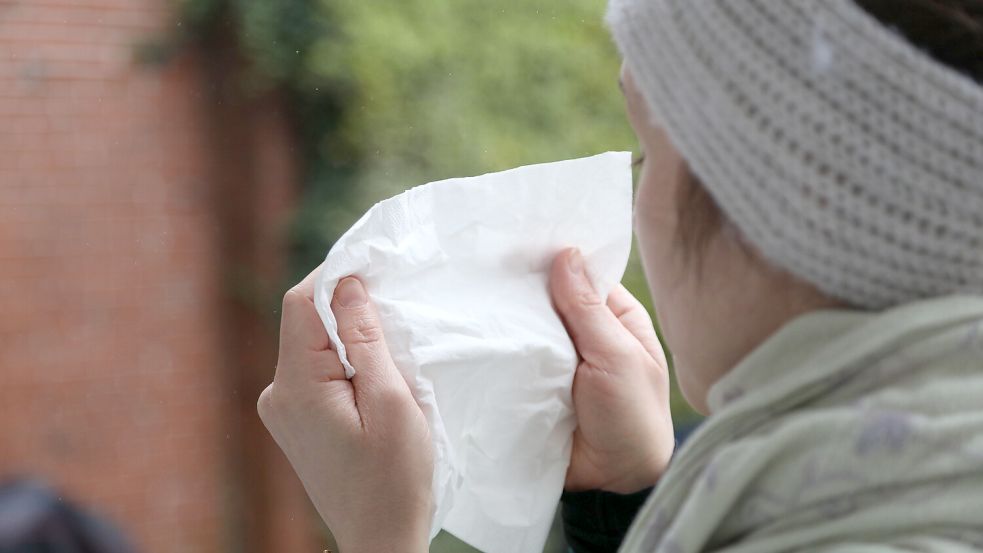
[845,431]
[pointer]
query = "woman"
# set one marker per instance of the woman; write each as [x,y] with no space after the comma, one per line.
[810,217]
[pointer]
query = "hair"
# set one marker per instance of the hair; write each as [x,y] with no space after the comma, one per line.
[950,31]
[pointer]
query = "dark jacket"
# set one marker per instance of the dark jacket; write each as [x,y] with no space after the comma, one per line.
[36,519]
[596,521]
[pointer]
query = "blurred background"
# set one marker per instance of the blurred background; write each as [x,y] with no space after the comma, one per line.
[167,170]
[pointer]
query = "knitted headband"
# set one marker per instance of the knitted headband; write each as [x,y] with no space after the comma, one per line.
[842,152]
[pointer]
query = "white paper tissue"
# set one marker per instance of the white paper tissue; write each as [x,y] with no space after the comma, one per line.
[458,270]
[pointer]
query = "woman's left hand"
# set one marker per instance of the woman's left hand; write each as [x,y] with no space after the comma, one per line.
[361,447]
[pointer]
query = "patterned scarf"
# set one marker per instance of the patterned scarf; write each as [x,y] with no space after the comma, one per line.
[845,431]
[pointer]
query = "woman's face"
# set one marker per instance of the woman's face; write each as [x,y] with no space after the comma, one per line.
[714,305]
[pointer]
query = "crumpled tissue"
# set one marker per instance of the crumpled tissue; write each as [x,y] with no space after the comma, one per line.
[458,270]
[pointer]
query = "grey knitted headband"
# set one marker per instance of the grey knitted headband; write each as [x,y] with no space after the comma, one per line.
[846,155]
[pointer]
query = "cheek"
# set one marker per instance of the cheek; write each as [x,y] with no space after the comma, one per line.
[676,303]
[655,222]
[656,211]
[672,280]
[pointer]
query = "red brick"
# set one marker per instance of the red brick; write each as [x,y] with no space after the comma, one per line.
[112,349]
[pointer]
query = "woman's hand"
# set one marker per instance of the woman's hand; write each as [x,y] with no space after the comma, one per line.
[361,447]
[624,436]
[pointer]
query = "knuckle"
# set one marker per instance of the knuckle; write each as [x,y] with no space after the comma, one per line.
[394,407]
[361,329]
[293,297]
[384,385]
[265,404]
[394,397]
[587,298]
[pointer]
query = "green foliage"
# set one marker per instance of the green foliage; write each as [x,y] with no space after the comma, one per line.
[442,88]
[394,93]
[446,87]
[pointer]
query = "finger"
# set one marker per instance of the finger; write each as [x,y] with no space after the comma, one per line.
[600,338]
[313,367]
[360,331]
[636,319]
[301,329]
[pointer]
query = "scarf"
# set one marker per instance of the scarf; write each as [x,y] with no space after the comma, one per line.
[845,430]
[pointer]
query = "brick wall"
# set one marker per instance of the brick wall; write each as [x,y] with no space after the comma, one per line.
[118,333]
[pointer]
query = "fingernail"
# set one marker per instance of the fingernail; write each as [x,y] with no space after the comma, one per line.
[351,293]
[576,261]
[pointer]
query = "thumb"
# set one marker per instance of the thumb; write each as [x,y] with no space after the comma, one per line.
[360,331]
[598,335]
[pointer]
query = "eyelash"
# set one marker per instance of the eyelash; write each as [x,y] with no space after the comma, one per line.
[637,162]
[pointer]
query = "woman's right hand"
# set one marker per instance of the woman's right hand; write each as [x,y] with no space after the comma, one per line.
[624,435]
[361,447]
